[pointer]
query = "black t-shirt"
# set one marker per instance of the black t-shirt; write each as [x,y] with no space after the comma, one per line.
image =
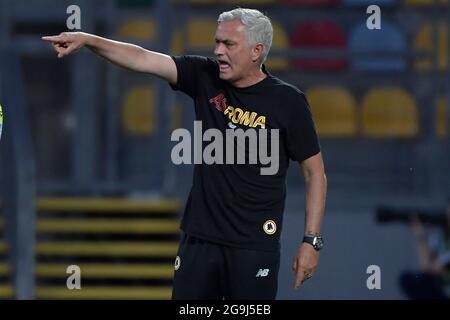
[234,204]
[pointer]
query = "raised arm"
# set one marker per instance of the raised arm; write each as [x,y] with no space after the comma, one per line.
[427,262]
[123,54]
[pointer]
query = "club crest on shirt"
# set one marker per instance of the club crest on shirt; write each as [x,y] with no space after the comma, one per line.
[270,227]
[238,115]
[220,102]
[177,263]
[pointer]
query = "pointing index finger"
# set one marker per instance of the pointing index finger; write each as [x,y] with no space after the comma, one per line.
[52,38]
[299,278]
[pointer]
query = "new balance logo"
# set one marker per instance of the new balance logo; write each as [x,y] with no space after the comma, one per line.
[262,273]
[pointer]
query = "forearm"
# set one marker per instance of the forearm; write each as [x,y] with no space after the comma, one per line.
[316,186]
[424,256]
[123,54]
[426,261]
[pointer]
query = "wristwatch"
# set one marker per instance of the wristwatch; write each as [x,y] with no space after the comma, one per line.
[315,241]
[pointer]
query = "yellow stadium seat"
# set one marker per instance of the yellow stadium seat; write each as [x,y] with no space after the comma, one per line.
[200,35]
[176,119]
[138,111]
[389,113]
[441,118]
[176,45]
[424,42]
[141,29]
[280,41]
[334,111]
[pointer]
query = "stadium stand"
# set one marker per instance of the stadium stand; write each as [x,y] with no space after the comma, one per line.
[389,41]
[322,34]
[334,111]
[389,113]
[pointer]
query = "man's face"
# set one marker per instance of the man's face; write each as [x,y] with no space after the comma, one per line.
[233,51]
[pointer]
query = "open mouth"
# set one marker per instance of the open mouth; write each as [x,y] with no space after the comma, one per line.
[224,66]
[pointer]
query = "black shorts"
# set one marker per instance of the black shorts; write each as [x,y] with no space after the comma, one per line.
[207,271]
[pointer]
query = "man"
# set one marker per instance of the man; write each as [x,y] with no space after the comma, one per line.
[432,280]
[232,221]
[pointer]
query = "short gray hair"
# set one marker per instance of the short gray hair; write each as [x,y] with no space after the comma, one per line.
[257,25]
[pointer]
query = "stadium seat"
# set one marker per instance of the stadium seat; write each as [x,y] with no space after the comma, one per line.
[389,40]
[389,113]
[176,117]
[366,3]
[423,42]
[100,259]
[200,36]
[334,111]
[322,34]
[138,29]
[441,118]
[176,44]
[280,42]
[138,111]
[6,270]
[201,33]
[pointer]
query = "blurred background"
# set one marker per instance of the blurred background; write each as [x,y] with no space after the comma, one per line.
[86,176]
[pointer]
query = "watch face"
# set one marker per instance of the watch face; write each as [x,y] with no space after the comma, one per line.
[318,243]
[315,241]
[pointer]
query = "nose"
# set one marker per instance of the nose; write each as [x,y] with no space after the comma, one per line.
[218,50]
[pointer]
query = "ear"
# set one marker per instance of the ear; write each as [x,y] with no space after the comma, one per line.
[257,52]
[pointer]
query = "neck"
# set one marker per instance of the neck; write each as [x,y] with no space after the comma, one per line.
[249,79]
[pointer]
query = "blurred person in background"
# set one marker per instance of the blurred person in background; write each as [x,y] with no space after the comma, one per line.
[232,221]
[432,281]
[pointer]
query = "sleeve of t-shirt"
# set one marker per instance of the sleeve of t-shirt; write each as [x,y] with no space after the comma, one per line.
[302,139]
[190,69]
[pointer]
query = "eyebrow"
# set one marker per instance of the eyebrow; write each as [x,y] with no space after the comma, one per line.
[225,41]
